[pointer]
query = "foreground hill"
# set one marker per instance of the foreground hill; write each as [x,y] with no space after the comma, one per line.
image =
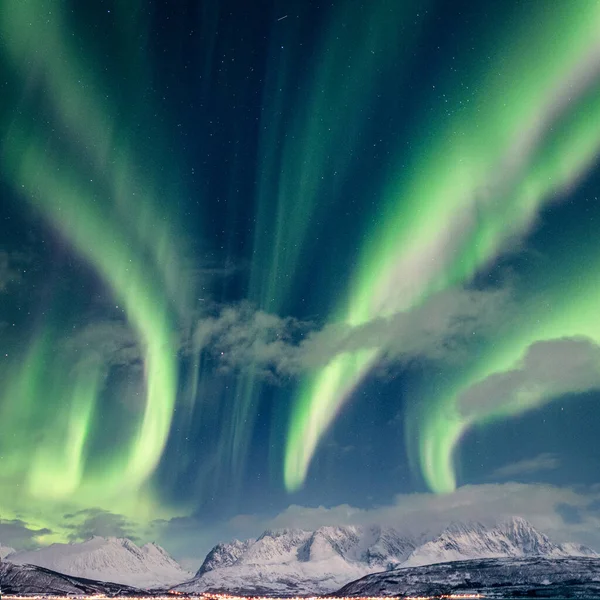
[491,577]
[28,579]
[108,559]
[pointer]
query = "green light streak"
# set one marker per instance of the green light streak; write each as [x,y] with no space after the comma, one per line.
[531,132]
[86,186]
[440,429]
[303,169]
[57,193]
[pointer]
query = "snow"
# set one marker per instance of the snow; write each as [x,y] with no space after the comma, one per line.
[295,561]
[513,538]
[113,559]
[292,561]
[575,577]
[5,551]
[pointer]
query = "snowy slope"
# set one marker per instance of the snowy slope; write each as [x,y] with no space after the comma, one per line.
[5,551]
[513,538]
[224,555]
[108,559]
[493,578]
[293,561]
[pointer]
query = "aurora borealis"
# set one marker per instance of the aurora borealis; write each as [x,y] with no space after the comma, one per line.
[250,262]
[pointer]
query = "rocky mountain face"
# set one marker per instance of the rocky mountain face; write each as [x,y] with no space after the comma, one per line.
[513,538]
[297,562]
[117,560]
[538,577]
[224,555]
[5,551]
[293,561]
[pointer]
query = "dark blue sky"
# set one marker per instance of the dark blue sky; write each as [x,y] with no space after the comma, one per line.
[296,254]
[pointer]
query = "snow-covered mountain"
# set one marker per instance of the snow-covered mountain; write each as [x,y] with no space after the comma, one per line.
[224,555]
[575,577]
[108,559]
[5,551]
[293,561]
[513,538]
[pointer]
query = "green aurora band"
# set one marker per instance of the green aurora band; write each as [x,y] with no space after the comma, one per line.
[130,245]
[531,131]
[519,134]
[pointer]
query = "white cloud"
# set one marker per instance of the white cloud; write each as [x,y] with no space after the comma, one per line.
[549,369]
[440,329]
[543,462]
[488,503]
[545,506]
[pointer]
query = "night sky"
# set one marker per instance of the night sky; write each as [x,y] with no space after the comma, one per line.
[294,263]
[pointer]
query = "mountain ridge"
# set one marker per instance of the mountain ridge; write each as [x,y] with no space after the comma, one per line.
[533,576]
[113,559]
[6,551]
[30,579]
[296,561]
[292,561]
[512,538]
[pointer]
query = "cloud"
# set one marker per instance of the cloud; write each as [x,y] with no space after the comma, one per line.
[19,534]
[240,336]
[279,347]
[543,462]
[110,342]
[549,369]
[87,523]
[570,514]
[564,513]
[487,503]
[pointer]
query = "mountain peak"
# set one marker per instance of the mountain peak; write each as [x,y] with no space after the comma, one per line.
[460,528]
[292,562]
[283,532]
[286,561]
[514,537]
[224,555]
[114,559]
[6,551]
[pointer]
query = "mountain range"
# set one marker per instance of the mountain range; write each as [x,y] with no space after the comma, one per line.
[117,560]
[512,538]
[294,561]
[291,561]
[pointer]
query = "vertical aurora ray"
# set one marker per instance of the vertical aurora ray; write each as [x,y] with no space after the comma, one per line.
[530,132]
[305,119]
[94,131]
[303,171]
